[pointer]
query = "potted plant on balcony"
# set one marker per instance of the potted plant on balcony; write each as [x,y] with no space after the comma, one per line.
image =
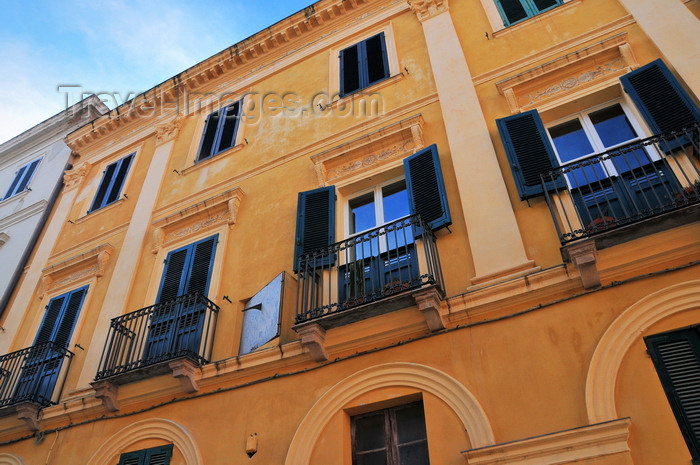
[356,283]
[687,194]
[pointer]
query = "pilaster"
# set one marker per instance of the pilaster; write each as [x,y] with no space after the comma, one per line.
[496,245]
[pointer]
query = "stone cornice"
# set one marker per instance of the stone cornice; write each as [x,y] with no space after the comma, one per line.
[574,445]
[283,35]
[426,9]
[89,264]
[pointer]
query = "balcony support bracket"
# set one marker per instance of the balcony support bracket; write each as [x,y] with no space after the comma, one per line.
[313,337]
[584,256]
[29,412]
[185,370]
[107,392]
[429,303]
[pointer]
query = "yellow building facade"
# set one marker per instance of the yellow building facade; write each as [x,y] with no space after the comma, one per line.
[379,231]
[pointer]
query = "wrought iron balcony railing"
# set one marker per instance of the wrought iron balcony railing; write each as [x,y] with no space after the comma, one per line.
[34,374]
[183,327]
[625,185]
[369,267]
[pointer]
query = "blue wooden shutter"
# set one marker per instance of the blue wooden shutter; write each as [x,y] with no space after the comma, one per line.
[159,455]
[188,270]
[315,222]
[22,178]
[226,135]
[375,59]
[529,151]
[200,268]
[69,317]
[350,66]
[154,456]
[426,188]
[171,284]
[660,97]
[60,317]
[206,146]
[112,182]
[51,318]
[676,356]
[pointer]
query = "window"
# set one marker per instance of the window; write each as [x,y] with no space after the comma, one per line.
[363,64]
[154,456]
[42,367]
[514,11]
[657,94]
[220,131]
[178,320]
[424,194]
[676,357]
[394,436]
[112,183]
[21,180]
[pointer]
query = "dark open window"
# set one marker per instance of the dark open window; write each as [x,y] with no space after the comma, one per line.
[21,180]
[514,11]
[676,356]
[113,179]
[220,131]
[363,64]
[393,436]
[153,456]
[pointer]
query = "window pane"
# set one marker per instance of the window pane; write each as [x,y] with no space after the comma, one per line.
[414,454]
[411,423]
[570,140]
[350,70]
[228,130]
[612,125]
[208,136]
[375,59]
[370,433]
[395,201]
[542,5]
[362,213]
[372,458]
[513,10]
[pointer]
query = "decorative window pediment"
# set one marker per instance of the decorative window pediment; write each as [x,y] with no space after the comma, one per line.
[566,78]
[91,264]
[371,153]
[214,211]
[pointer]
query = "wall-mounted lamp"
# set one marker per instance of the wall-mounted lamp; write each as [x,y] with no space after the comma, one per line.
[251,444]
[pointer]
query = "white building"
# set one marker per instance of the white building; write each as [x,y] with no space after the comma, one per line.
[31,175]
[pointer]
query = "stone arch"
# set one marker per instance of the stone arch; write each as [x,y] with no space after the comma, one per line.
[156,428]
[10,459]
[413,375]
[619,337]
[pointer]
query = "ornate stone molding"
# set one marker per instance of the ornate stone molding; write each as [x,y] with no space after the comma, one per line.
[30,414]
[313,338]
[73,178]
[426,9]
[372,151]
[169,131]
[4,237]
[582,70]
[220,209]
[108,393]
[91,263]
[429,303]
[584,256]
[574,445]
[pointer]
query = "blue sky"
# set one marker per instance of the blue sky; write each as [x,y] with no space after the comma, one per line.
[112,46]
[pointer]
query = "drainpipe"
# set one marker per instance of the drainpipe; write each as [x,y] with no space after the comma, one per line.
[31,244]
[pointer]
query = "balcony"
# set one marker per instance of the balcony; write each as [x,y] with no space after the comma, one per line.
[374,272]
[142,343]
[641,182]
[33,375]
